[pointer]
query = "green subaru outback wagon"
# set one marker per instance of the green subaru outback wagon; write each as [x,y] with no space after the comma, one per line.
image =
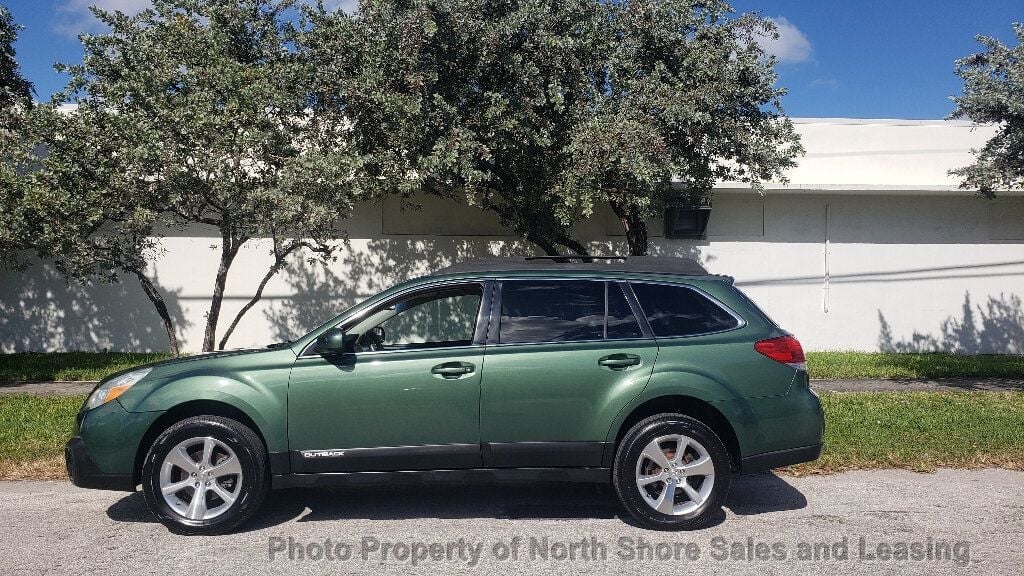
[646,372]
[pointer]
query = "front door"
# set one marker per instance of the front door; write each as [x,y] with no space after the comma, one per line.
[405,396]
[569,355]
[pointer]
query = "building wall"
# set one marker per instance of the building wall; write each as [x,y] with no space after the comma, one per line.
[905,266]
[912,263]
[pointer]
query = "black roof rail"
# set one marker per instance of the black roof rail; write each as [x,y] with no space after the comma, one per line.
[635,264]
[587,257]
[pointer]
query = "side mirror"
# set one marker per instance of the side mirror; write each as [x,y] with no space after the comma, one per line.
[333,341]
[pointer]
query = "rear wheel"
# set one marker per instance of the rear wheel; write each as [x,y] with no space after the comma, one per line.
[205,475]
[672,472]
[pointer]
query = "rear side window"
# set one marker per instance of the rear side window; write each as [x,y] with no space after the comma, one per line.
[680,311]
[564,311]
[551,311]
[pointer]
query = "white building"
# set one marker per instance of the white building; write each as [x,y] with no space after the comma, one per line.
[871,245]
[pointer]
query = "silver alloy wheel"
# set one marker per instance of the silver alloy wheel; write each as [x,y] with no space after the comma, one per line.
[200,478]
[672,464]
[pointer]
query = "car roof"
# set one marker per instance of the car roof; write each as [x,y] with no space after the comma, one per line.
[630,264]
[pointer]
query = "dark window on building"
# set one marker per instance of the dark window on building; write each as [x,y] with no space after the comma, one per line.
[621,321]
[679,311]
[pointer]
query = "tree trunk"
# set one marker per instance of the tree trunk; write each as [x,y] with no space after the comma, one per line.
[545,244]
[161,308]
[280,259]
[635,228]
[574,245]
[228,251]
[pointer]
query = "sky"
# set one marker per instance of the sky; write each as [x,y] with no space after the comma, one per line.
[837,59]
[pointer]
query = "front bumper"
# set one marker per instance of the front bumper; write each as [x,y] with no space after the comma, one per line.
[85,474]
[104,450]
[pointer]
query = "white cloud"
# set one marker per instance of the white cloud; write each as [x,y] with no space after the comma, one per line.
[791,46]
[830,83]
[73,16]
[349,6]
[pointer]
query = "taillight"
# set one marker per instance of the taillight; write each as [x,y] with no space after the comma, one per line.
[784,349]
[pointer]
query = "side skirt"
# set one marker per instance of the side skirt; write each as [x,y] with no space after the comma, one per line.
[469,476]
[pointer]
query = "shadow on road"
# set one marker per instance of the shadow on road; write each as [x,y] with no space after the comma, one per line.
[750,494]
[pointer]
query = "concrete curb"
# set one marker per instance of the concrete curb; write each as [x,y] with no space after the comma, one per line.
[48,388]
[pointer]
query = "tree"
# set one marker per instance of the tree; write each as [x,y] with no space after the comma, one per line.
[458,99]
[202,107]
[994,94]
[684,93]
[54,203]
[15,90]
[61,211]
[15,150]
[15,100]
[542,110]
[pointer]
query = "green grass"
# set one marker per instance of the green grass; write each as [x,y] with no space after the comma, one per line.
[70,365]
[932,365]
[911,430]
[97,365]
[920,431]
[33,432]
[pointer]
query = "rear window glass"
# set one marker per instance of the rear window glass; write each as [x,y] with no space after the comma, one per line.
[680,311]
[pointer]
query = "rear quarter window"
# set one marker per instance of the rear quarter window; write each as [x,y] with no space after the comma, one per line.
[681,311]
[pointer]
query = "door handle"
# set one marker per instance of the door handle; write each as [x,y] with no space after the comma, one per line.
[452,370]
[619,361]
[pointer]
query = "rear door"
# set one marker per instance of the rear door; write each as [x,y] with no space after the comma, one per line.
[567,355]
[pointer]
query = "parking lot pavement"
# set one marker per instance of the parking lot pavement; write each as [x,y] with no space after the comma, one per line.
[870,522]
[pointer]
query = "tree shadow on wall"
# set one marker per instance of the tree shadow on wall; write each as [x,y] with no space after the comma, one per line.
[996,328]
[40,311]
[319,292]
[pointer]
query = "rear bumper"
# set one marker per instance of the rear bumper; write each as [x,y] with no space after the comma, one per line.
[769,460]
[85,474]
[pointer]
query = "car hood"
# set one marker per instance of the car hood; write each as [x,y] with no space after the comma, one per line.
[172,366]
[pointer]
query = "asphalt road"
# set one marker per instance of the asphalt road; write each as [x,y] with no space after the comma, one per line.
[973,519]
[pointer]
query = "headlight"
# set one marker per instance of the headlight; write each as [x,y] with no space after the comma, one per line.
[114,387]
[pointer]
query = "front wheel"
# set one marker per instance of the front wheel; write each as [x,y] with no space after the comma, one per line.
[672,472]
[205,475]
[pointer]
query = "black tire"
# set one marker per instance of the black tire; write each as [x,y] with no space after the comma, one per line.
[626,463]
[252,457]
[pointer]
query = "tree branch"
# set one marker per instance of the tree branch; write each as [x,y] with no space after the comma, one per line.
[280,259]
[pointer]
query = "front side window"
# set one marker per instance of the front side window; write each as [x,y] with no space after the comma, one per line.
[564,311]
[435,319]
[681,311]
